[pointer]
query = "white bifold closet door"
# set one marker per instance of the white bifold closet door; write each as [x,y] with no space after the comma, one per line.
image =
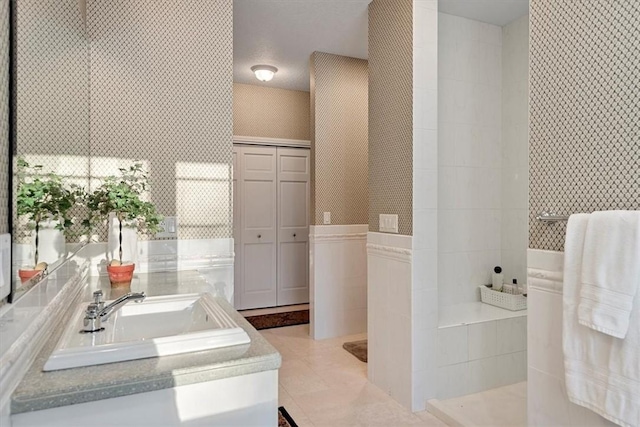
[293,226]
[258,226]
[271,226]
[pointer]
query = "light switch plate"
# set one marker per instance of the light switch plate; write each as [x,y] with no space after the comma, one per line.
[388,223]
[5,265]
[169,224]
[327,218]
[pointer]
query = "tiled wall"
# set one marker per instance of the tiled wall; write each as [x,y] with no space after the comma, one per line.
[547,399]
[424,267]
[391,112]
[481,356]
[339,139]
[270,112]
[469,156]
[4,116]
[389,329]
[156,78]
[583,128]
[515,148]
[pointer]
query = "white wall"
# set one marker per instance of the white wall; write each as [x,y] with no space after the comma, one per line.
[547,399]
[515,148]
[389,259]
[338,280]
[424,289]
[403,270]
[469,156]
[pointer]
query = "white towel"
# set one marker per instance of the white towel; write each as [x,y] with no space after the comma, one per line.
[610,271]
[602,372]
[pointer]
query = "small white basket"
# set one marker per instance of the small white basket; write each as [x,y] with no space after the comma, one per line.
[503,300]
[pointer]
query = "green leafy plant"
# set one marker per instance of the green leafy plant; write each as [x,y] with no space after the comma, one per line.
[43,197]
[122,195]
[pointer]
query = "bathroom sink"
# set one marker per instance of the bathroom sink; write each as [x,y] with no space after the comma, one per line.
[158,326]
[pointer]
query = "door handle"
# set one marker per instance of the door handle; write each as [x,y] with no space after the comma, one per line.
[294,234]
[259,236]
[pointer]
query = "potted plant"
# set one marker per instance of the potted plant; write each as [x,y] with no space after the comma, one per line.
[122,196]
[42,198]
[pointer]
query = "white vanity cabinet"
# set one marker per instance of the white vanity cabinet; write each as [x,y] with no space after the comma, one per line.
[246,400]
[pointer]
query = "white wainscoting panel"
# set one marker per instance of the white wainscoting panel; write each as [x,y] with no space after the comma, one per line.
[389,258]
[338,280]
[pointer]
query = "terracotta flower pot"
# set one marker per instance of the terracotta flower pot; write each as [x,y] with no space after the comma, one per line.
[120,275]
[26,275]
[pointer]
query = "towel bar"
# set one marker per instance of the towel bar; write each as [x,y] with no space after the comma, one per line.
[551,217]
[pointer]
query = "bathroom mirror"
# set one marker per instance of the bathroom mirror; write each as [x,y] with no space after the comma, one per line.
[95,96]
[50,150]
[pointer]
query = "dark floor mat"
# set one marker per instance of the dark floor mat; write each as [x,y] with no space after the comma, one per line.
[358,349]
[278,320]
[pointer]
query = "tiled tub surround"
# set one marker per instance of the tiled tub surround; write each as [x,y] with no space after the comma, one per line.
[480,347]
[547,397]
[150,381]
[338,280]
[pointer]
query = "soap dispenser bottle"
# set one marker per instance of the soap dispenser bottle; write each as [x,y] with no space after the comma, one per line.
[498,279]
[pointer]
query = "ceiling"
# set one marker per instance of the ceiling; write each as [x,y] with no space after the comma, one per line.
[284,33]
[496,12]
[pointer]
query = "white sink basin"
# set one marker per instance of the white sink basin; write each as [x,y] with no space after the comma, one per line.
[158,326]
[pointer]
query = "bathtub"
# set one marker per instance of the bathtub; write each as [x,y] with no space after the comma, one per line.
[480,347]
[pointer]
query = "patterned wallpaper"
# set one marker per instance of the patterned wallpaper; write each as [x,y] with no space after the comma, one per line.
[161,91]
[584,121]
[339,139]
[52,90]
[270,112]
[391,112]
[4,116]
[148,80]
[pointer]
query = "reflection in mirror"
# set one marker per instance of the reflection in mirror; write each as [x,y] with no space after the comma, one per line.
[61,267]
[51,149]
[96,95]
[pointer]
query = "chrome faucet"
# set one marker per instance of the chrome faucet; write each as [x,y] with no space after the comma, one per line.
[97,312]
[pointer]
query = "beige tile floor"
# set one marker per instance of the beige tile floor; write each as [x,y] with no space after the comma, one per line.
[323,385]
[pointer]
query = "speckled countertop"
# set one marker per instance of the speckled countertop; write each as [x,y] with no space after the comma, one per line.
[42,390]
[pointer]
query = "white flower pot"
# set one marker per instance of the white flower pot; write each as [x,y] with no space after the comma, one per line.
[52,244]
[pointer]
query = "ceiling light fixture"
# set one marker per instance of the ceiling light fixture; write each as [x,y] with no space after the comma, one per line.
[264,73]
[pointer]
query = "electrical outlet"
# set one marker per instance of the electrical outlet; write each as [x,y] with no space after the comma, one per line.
[169,225]
[388,223]
[327,218]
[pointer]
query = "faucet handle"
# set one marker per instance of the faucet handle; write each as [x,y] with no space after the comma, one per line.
[97,298]
[92,310]
[92,321]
